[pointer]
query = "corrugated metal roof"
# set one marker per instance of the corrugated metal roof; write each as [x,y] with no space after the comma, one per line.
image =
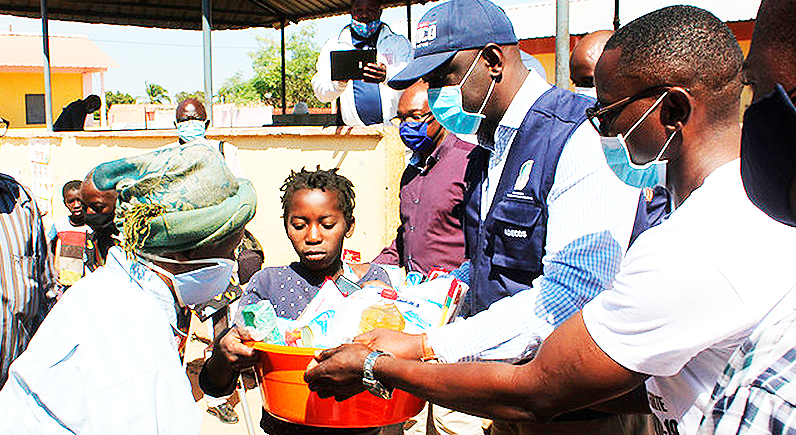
[68,52]
[185,14]
[538,20]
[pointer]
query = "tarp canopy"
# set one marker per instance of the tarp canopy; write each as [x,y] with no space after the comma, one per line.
[185,14]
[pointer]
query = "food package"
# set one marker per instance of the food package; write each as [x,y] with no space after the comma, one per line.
[261,322]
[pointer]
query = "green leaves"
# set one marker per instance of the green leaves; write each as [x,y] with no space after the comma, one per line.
[266,85]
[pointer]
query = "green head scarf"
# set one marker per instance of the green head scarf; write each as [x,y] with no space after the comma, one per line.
[176,198]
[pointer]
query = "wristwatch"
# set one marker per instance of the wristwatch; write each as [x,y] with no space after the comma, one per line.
[375,387]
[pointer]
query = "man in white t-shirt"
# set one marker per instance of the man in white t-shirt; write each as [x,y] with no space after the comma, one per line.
[689,290]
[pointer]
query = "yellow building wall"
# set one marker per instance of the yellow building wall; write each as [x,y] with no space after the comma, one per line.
[13,87]
[373,159]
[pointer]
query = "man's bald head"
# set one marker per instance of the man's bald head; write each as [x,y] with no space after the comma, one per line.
[414,100]
[191,108]
[772,53]
[585,56]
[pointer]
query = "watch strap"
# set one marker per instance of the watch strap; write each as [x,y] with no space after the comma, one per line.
[369,380]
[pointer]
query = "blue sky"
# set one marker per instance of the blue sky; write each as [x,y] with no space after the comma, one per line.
[173,58]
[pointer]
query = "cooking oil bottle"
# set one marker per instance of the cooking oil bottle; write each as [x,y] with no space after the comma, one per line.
[383,314]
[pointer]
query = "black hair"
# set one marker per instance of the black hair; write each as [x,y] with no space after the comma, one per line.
[92,101]
[325,180]
[684,46]
[71,185]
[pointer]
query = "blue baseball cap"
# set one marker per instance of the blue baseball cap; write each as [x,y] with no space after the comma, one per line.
[452,26]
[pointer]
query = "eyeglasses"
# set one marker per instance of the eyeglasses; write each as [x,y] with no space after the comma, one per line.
[415,118]
[601,118]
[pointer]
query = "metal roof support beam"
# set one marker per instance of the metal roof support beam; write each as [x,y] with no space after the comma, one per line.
[284,84]
[409,20]
[48,95]
[562,44]
[207,25]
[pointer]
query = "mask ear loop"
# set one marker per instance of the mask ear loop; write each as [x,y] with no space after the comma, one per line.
[472,67]
[488,94]
[491,85]
[646,114]
[150,264]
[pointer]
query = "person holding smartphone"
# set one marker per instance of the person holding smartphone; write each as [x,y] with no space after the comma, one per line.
[368,101]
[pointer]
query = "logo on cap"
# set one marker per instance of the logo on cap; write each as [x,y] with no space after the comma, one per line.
[426,32]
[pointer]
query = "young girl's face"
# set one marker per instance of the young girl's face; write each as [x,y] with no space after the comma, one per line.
[316,228]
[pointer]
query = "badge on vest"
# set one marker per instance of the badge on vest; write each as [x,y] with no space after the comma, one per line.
[524,175]
[516,233]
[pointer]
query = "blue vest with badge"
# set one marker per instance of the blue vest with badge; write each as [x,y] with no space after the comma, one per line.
[506,249]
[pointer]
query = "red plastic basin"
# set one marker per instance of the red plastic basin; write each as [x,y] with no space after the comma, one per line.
[280,373]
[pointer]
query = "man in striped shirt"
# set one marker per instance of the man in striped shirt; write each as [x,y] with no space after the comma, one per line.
[26,274]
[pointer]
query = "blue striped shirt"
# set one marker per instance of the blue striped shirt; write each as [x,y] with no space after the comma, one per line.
[591,214]
[26,274]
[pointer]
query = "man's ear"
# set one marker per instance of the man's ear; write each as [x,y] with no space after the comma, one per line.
[495,60]
[350,231]
[676,109]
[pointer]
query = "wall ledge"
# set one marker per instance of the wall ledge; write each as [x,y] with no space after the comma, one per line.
[371,131]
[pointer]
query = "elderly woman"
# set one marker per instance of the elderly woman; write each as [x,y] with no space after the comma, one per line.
[106,359]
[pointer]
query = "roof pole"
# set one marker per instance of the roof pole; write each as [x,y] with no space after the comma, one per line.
[103,106]
[562,44]
[409,20]
[284,85]
[48,97]
[207,25]
[616,14]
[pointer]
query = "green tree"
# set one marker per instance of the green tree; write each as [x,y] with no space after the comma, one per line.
[199,95]
[237,90]
[156,93]
[301,53]
[117,97]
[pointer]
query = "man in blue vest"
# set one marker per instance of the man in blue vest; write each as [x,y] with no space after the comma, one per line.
[539,193]
[689,290]
[543,211]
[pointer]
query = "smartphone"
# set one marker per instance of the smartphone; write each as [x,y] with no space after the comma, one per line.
[349,64]
[346,286]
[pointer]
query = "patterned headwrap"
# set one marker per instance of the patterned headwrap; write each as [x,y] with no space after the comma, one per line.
[176,198]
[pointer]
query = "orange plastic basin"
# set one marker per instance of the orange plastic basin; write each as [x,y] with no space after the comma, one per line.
[280,373]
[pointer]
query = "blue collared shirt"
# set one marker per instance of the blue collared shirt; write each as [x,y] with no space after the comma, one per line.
[591,215]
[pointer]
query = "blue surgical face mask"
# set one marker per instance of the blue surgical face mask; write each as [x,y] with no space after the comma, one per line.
[414,135]
[618,157]
[365,30]
[447,107]
[199,285]
[190,130]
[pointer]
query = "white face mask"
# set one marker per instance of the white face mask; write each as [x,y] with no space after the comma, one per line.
[196,286]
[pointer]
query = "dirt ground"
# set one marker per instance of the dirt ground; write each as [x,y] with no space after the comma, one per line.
[211,425]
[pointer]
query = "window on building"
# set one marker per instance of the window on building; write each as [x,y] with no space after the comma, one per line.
[34,109]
